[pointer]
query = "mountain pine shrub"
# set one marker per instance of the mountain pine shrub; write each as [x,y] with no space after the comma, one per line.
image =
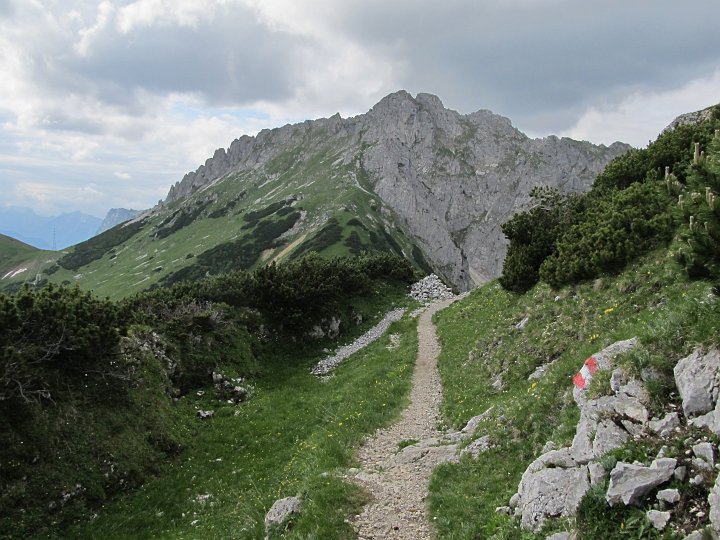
[533,234]
[611,232]
[700,208]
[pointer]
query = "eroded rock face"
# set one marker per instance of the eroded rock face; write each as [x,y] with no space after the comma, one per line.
[449,180]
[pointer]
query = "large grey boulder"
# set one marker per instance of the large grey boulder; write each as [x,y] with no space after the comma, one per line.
[630,482]
[697,378]
[550,492]
[280,512]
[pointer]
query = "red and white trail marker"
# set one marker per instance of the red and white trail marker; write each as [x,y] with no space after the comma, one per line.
[584,376]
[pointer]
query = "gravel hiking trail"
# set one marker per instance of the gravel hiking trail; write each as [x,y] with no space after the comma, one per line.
[398,479]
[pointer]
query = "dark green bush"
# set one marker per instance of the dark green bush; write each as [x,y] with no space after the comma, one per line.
[330,234]
[252,218]
[240,254]
[670,149]
[90,250]
[54,337]
[181,219]
[533,235]
[611,232]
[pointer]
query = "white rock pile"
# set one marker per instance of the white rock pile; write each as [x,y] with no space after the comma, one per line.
[327,364]
[430,288]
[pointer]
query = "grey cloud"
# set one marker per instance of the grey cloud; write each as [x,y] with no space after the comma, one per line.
[546,57]
[6,8]
[227,60]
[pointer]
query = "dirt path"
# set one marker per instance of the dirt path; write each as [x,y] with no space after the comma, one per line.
[397,479]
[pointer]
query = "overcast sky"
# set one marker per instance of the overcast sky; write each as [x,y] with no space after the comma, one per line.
[107,103]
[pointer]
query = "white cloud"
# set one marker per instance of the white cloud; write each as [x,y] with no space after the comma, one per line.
[146,13]
[105,13]
[51,195]
[642,115]
[131,94]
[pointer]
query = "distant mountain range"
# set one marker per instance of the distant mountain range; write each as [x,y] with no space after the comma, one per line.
[116,216]
[47,232]
[57,232]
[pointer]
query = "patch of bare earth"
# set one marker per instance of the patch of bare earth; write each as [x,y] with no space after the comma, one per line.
[398,479]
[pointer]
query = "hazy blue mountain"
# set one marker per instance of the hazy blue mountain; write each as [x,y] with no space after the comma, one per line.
[47,232]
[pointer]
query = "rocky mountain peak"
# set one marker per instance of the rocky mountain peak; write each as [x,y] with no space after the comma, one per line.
[447,180]
[691,118]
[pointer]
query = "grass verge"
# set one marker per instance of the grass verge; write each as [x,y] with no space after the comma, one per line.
[293,437]
[486,361]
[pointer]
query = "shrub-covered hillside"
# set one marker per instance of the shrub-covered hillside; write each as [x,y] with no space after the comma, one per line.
[96,396]
[635,205]
[635,257]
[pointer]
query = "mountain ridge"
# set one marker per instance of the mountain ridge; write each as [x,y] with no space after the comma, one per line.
[422,160]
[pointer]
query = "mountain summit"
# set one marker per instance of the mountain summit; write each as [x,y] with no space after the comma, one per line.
[448,180]
[408,177]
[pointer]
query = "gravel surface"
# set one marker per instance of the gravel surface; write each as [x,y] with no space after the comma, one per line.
[397,479]
[326,365]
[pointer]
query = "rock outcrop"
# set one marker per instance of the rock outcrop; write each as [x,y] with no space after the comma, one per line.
[448,180]
[116,216]
[555,483]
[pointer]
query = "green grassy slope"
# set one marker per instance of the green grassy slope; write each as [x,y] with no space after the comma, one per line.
[20,262]
[652,300]
[12,250]
[294,437]
[98,402]
[248,219]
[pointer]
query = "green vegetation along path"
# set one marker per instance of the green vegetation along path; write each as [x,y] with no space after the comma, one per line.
[398,480]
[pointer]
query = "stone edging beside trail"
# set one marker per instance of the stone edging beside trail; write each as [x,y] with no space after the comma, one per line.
[428,289]
[327,364]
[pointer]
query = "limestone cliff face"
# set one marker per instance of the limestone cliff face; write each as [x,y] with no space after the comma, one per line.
[115,216]
[450,180]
